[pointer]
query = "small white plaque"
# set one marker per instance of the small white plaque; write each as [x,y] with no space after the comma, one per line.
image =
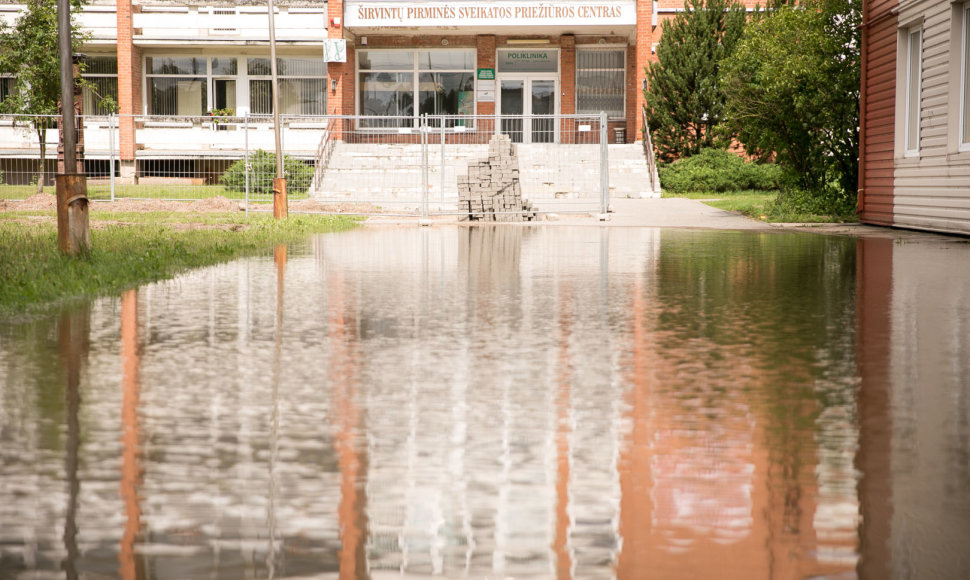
[334,50]
[585,128]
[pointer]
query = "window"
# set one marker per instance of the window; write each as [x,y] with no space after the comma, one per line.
[7,86]
[177,85]
[914,48]
[101,97]
[302,86]
[965,82]
[442,82]
[600,81]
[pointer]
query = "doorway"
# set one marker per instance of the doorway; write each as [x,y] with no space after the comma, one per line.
[528,100]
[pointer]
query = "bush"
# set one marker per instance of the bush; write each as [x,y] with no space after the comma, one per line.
[829,202]
[298,174]
[717,170]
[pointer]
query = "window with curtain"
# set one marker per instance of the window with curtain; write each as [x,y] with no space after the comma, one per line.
[405,83]
[101,75]
[177,86]
[302,85]
[601,81]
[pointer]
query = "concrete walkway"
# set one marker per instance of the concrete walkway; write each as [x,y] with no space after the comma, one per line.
[678,213]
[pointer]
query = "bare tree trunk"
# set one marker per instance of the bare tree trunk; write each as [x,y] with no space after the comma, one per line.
[42,137]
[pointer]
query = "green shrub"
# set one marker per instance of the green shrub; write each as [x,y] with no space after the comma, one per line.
[717,170]
[830,202]
[263,171]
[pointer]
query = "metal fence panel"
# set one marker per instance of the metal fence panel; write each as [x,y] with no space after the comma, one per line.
[377,164]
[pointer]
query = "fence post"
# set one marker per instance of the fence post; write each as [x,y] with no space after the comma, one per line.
[246,157]
[111,154]
[425,161]
[604,168]
[442,195]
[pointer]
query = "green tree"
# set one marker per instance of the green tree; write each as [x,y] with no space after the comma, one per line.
[28,52]
[684,99]
[793,90]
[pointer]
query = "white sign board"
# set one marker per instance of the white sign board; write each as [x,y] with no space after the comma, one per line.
[361,13]
[486,91]
[334,50]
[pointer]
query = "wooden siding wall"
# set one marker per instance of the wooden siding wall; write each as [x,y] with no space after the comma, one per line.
[932,191]
[878,113]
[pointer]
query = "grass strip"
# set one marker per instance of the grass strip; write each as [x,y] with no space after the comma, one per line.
[35,276]
[760,205]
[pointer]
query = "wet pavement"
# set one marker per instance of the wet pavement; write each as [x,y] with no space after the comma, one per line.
[503,402]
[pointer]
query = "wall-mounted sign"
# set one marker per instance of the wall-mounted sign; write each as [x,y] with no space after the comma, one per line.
[363,13]
[528,60]
[486,74]
[334,50]
[486,91]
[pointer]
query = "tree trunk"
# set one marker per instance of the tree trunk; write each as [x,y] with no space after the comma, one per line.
[42,137]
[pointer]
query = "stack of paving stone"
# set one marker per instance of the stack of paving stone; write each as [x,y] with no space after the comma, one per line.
[490,191]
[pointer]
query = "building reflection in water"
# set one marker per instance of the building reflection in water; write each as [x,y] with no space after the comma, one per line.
[74,344]
[509,402]
[914,407]
[132,566]
[712,485]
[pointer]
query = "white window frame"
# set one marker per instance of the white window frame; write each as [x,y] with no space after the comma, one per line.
[603,48]
[964,135]
[416,71]
[914,47]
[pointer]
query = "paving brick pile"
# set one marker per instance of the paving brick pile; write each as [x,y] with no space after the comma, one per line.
[490,191]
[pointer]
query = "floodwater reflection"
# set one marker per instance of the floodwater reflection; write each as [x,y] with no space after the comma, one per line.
[503,402]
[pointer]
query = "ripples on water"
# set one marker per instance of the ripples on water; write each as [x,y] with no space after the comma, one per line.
[502,403]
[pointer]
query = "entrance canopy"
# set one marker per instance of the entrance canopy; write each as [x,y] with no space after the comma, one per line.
[612,17]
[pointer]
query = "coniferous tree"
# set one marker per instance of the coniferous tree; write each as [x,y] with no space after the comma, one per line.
[29,53]
[684,100]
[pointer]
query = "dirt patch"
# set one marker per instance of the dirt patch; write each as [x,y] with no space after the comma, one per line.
[36,202]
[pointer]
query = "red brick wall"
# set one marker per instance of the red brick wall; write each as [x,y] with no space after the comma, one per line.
[485,43]
[642,55]
[129,79]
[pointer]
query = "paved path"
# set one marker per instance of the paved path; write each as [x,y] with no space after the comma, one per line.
[687,213]
[669,213]
[678,213]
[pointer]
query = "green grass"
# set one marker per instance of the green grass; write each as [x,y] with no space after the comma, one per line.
[34,276]
[148,191]
[761,205]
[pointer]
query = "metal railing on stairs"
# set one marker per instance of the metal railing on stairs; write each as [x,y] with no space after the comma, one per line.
[650,155]
[324,152]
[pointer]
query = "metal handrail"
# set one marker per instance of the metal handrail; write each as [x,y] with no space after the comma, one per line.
[649,154]
[324,152]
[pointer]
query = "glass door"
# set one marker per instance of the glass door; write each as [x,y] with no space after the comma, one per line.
[512,97]
[528,99]
[543,92]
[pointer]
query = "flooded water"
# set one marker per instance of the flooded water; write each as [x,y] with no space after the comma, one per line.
[502,403]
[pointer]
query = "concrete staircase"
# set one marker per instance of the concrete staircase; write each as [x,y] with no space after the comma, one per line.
[386,173]
[631,174]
